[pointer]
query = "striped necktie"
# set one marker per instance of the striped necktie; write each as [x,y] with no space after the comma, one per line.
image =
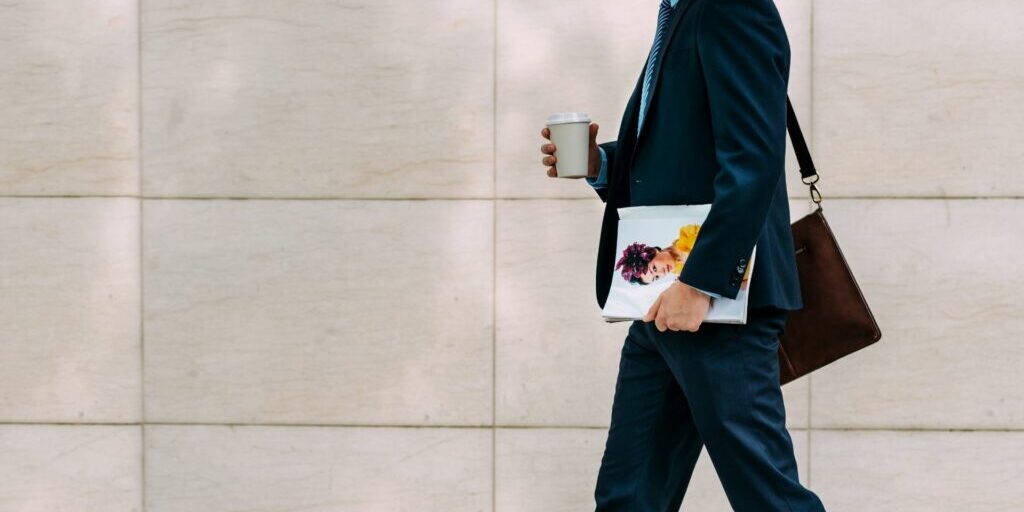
[663,15]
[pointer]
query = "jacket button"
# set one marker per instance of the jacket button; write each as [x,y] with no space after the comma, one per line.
[636,180]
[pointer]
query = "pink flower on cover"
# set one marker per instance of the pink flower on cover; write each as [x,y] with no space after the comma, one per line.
[635,261]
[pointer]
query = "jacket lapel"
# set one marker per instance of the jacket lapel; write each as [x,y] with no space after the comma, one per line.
[677,15]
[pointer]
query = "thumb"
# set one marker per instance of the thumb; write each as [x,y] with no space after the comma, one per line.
[593,131]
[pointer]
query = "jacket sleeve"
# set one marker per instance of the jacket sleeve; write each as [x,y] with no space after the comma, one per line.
[745,56]
[608,148]
[601,180]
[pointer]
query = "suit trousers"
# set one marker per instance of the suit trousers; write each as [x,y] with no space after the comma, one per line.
[679,391]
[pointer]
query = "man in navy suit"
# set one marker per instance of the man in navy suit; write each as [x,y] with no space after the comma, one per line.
[706,123]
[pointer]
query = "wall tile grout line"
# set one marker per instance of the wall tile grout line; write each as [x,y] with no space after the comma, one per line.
[485,426]
[810,378]
[142,271]
[467,198]
[494,256]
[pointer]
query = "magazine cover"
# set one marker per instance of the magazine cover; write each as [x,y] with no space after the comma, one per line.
[652,246]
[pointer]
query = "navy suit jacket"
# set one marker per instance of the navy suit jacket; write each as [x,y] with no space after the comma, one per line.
[714,132]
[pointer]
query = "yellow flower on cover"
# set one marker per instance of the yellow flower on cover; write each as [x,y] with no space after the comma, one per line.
[687,236]
[684,244]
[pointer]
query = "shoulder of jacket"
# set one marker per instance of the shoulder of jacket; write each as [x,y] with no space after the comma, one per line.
[726,10]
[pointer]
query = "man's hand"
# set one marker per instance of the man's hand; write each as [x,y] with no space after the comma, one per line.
[681,307]
[594,164]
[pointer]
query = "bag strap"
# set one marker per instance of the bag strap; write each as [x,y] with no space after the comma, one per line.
[808,173]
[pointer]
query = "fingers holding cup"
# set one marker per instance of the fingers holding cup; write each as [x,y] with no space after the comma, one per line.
[549,159]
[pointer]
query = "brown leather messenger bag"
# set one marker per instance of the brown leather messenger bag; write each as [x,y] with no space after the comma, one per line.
[835,320]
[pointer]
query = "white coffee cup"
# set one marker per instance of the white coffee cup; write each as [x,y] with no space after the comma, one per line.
[570,133]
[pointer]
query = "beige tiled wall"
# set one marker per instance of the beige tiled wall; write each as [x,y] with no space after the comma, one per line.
[920,98]
[350,99]
[318,468]
[295,255]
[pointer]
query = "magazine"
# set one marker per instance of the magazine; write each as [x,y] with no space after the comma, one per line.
[651,249]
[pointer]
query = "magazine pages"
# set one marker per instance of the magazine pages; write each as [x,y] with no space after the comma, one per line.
[651,249]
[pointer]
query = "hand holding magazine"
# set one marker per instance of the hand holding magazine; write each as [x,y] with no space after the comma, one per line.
[652,246]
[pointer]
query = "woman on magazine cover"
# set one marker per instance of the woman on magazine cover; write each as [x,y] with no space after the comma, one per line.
[644,264]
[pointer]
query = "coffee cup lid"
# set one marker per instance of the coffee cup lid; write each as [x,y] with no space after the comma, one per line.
[568,117]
